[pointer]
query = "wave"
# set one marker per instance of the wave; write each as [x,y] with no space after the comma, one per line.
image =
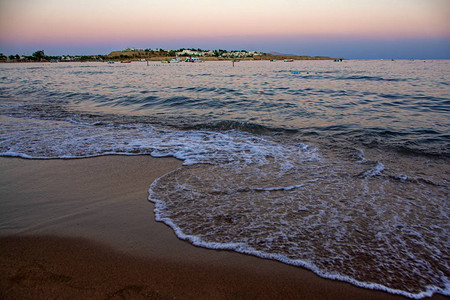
[227,125]
[246,249]
[353,229]
[371,78]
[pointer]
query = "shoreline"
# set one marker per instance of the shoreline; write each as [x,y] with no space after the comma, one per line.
[80,228]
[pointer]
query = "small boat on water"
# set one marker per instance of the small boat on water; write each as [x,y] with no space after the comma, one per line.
[193,60]
[288,60]
[174,60]
[125,61]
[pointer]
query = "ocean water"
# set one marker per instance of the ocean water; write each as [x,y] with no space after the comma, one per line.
[341,168]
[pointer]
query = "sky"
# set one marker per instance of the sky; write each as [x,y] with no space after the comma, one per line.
[337,28]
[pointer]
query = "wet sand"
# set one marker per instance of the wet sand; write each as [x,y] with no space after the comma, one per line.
[78,229]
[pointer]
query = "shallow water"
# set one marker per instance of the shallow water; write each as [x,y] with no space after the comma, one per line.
[342,168]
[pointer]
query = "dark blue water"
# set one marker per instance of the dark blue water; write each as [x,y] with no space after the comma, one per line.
[342,168]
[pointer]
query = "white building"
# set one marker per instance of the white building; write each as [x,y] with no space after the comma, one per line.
[187,52]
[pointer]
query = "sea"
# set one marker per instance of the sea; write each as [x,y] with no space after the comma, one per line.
[342,168]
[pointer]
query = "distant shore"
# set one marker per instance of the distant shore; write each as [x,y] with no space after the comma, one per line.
[160,55]
[167,55]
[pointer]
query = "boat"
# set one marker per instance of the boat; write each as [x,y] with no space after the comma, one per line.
[193,60]
[125,61]
[288,60]
[174,60]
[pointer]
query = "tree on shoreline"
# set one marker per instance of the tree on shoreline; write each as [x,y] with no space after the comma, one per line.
[39,55]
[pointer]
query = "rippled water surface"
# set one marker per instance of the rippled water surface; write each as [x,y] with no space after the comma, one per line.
[341,168]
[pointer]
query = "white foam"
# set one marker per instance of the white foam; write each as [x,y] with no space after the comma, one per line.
[375,171]
[280,188]
[84,123]
[360,155]
[246,249]
[319,206]
[56,139]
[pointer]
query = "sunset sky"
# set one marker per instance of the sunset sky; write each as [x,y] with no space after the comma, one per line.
[337,28]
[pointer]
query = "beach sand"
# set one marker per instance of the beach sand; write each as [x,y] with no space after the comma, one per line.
[84,229]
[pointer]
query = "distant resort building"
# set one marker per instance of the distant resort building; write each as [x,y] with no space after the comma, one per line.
[222,53]
[241,54]
[68,58]
[187,52]
[202,53]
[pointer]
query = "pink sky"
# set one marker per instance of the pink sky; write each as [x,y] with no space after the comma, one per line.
[117,22]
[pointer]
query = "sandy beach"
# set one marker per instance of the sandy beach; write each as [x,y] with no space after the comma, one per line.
[84,229]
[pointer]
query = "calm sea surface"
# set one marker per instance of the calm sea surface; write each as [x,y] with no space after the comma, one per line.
[342,168]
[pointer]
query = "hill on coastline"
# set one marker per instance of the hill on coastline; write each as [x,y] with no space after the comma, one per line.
[210,55]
